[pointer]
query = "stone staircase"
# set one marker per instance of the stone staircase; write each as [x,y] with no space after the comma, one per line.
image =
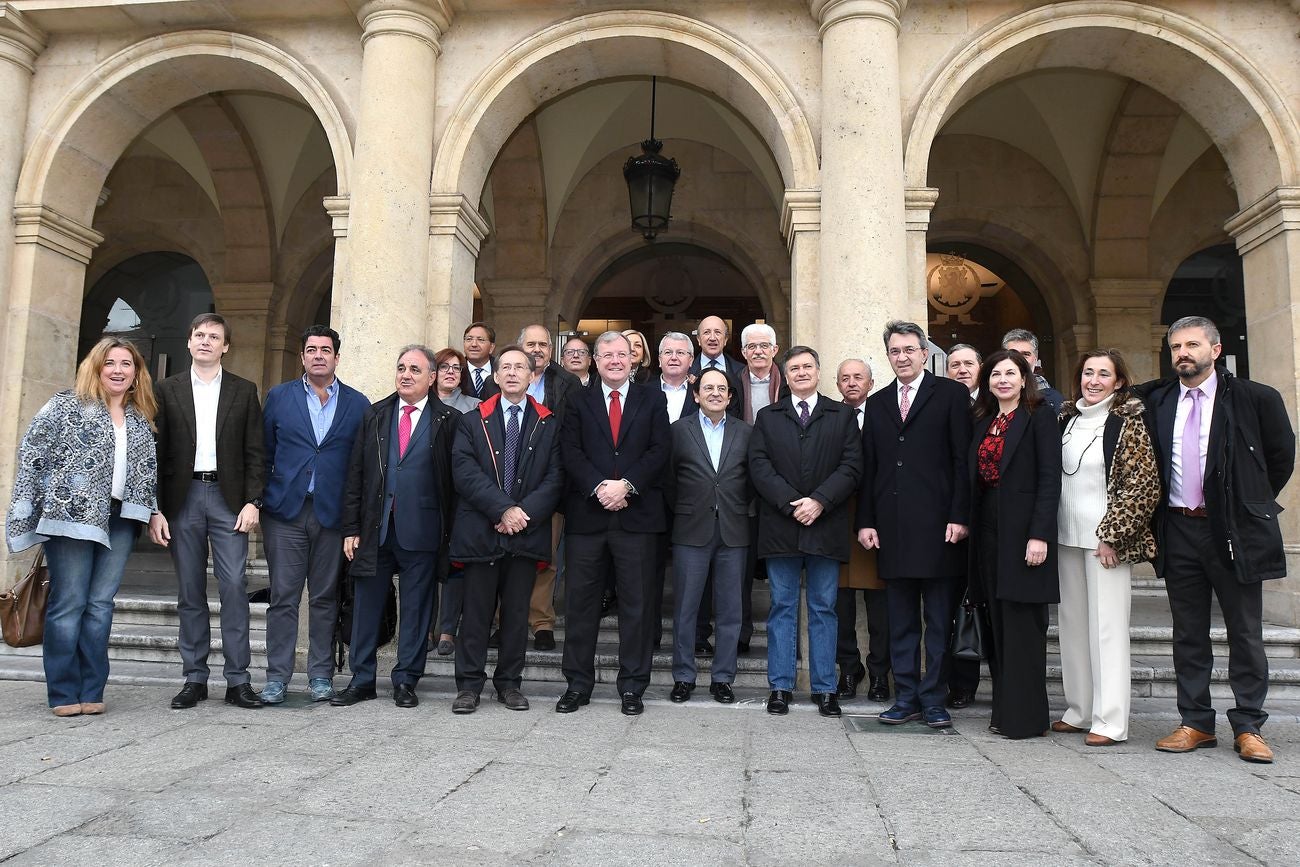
[144,643]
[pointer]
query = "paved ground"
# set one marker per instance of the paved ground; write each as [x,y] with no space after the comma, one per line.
[693,784]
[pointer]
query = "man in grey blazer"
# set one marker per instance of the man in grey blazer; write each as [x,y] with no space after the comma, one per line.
[714,500]
[210,455]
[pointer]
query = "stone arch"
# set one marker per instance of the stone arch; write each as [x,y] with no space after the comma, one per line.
[1223,90]
[83,137]
[612,44]
[575,277]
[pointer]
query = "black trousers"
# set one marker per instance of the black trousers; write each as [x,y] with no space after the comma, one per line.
[1193,571]
[846,645]
[633,558]
[1018,664]
[509,582]
[417,596]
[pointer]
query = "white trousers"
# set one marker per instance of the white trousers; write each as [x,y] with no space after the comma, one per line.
[1095,665]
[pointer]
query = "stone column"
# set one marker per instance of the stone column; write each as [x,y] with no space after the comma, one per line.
[864,265]
[919,204]
[511,303]
[20,44]
[1126,310]
[1267,233]
[384,302]
[801,215]
[247,306]
[455,233]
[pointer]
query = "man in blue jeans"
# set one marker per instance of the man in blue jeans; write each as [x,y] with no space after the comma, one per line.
[805,458]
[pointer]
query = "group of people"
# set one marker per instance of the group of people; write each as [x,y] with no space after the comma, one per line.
[983,488]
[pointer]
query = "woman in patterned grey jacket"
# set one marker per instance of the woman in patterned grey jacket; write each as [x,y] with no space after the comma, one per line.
[87,479]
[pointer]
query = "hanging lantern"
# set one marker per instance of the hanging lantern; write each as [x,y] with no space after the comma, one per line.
[650,180]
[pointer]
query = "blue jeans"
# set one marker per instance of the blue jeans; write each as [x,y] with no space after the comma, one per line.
[823,579]
[84,577]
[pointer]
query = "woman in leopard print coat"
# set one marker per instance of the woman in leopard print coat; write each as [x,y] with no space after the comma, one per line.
[1110,485]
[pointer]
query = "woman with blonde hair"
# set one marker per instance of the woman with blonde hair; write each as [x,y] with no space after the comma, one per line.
[87,479]
[640,356]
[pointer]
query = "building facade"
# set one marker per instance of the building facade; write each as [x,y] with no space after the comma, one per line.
[1090,169]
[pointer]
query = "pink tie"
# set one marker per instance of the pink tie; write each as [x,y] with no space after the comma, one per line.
[903,403]
[1193,486]
[404,431]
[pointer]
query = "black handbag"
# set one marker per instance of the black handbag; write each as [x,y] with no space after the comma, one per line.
[970,633]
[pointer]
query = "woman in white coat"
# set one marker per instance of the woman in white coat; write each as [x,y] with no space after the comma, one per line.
[1110,486]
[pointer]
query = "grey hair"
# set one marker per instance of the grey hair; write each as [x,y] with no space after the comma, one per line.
[768,331]
[902,327]
[522,331]
[1211,330]
[1017,335]
[862,361]
[419,347]
[610,337]
[677,335]
[979,358]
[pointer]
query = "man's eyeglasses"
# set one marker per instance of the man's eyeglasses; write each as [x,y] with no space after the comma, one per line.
[750,347]
[904,350]
[676,353]
[614,356]
[575,353]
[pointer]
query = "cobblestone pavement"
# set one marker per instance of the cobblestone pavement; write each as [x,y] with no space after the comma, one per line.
[693,784]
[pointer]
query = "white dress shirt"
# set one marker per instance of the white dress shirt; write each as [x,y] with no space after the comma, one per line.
[415,416]
[676,396]
[859,413]
[119,460]
[812,402]
[914,386]
[622,394]
[487,371]
[206,395]
[1209,389]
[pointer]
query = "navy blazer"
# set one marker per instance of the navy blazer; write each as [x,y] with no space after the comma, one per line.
[292,454]
[591,456]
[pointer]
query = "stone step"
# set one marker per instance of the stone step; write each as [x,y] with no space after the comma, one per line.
[1151,677]
[162,611]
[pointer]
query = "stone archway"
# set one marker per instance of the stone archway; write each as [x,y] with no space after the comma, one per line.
[562,57]
[73,150]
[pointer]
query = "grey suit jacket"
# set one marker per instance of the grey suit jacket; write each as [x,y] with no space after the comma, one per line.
[705,496]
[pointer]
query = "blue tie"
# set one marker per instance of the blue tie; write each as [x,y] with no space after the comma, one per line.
[478,381]
[512,451]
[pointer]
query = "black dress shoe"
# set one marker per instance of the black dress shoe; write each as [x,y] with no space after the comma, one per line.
[466,701]
[191,694]
[544,640]
[721,692]
[828,704]
[703,647]
[632,705]
[404,695]
[494,640]
[879,690]
[778,701]
[571,701]
[849,680]
[513,699]
[242,696]
[681,692]
[352,695]
[960,698]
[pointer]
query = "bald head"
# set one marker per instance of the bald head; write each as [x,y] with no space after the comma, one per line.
[713,336]
[853,379]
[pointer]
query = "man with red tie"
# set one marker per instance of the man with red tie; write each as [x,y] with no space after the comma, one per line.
[615,445]
[396,516]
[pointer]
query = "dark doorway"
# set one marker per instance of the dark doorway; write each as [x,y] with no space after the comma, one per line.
[1211,283]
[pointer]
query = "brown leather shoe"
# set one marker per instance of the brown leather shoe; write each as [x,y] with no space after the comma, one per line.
[92,707]
[67,710]
[1253,749]
[1095,740]
[1185,739]
[1061,727]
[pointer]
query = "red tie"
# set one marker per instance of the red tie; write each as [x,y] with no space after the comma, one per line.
[404,431]
[615,415]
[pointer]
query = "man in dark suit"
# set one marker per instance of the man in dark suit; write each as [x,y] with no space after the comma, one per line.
[576,358]
[507,470]
[713,335]
[1226,449]
[1025,342]
[615,444]
[854,380]
[805,457]
[309,426]
[915,507]
[551,386]
[210,451]
[396,515]
[480,342]
[711,510]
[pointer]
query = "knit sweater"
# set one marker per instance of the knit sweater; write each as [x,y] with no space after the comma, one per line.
[1083,476]
[64,479]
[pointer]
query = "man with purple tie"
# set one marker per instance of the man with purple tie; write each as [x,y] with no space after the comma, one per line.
[1226,448]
